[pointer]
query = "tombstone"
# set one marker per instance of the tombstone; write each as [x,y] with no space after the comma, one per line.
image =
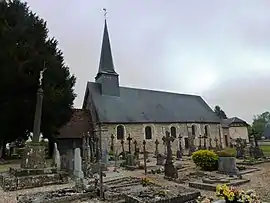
[161,160]
[165,148]
[179,152]
[239,148]
[137,150]
[227,165]
[210,144]
[115,161]
[144,157]
[70,157]
[130,162]
[56,157]
[170,170]
[78,173]
[129,144]
[112,143]
[156,143]
[258,153]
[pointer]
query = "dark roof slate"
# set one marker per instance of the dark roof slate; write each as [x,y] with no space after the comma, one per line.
[234,120]
[79,124]
[149,106]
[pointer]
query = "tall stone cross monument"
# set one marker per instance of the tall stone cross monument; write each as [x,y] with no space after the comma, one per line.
[34,154]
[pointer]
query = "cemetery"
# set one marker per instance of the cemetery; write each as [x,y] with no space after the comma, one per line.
[130,176]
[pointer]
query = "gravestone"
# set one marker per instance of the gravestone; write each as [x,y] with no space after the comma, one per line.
[161,160]
[170,170]
[179,152]
[78,173]
[130,162]
[156,144]
[56,157]
[239,148]
[258,153]
[227,165]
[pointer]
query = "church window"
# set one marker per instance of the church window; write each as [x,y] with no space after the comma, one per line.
[148,133]
[206,130]
[193,130]
[120,132]
[173,132]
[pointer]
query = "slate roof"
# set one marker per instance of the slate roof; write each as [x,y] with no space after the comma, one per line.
[234,120]
[79,123]
[149,106]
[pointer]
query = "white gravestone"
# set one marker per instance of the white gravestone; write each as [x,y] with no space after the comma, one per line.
[78,163]
[57,158]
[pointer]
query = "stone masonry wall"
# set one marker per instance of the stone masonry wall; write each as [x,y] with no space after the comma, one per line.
[137,132]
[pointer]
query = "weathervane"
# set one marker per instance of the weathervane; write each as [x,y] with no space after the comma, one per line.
[105,12]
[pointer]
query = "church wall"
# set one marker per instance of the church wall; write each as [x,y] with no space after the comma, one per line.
[137,132]
[239,132]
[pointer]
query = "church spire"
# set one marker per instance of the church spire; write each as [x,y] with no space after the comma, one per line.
[106,75]
[106,60]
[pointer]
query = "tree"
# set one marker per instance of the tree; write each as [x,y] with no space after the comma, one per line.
[25,50]
[259,123]
[220,113]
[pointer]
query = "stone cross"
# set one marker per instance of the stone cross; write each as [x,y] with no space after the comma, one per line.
[136,152]
[129,144]
[200,142]
[170,170]
[78,164]
[112,142]
[144,157]
[179,152]
[156,143]
[167,140]
[165,147]
[191,139]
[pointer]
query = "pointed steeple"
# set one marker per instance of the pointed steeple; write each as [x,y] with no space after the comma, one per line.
[106,75]
[106,59]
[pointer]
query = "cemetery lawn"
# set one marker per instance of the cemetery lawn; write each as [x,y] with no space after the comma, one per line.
[265,148]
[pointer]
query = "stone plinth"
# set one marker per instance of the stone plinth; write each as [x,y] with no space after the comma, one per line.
[33,157]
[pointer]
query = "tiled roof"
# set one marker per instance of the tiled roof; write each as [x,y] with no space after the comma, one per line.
[79,124]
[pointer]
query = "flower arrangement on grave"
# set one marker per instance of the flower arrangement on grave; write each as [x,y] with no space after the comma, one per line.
[234,195]
[146,181]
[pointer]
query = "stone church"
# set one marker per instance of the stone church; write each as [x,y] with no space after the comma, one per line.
[145,114]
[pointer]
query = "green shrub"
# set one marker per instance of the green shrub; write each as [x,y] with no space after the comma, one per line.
[206,159]
[225,154]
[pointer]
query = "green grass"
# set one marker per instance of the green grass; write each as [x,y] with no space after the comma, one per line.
[265,148]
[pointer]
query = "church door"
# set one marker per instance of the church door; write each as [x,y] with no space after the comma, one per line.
[186,143]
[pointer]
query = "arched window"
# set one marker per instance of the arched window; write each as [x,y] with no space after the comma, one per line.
[173,132]
[120,132]
[193,130]
[148,133]
[206,130]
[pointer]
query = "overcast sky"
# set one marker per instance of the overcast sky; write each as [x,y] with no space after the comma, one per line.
[217,49]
